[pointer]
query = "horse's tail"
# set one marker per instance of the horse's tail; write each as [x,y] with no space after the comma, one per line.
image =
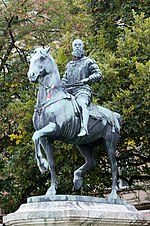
[119,118]
[41,162]
[118,121]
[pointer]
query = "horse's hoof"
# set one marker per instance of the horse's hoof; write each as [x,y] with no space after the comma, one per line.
[113,197]
[50,192]
[78,183]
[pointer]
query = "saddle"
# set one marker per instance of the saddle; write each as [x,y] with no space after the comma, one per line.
[99,113]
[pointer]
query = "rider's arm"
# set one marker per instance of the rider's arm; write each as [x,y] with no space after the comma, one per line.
[95,72]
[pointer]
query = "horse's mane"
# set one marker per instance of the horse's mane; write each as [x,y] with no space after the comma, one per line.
[55,67]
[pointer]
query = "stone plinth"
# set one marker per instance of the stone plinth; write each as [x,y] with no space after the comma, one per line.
[74,211]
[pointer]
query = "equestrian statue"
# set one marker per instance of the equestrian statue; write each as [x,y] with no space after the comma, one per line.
[64,111]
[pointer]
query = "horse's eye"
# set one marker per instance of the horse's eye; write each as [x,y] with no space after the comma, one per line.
[42,58]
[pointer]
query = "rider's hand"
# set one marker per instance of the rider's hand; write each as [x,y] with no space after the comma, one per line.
[85,80]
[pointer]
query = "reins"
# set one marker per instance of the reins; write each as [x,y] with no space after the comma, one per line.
[57,87]
[63,86]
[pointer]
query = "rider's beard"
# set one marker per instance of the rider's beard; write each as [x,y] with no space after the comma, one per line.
[78,53]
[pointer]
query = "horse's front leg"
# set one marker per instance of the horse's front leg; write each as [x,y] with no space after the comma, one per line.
[49,151]
[48,130]
[41,137]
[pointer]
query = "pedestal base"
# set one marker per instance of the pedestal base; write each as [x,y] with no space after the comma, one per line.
[74,211]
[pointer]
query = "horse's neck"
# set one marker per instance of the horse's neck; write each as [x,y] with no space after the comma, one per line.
[51,80]
[42,95]
[50,88]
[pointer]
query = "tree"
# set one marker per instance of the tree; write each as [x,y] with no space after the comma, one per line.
[109,15]
[24,24]
[125,89]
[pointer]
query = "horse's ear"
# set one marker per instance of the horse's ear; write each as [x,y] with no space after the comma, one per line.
[48,49]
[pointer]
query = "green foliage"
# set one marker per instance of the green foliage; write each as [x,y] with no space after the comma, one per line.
[125,89]
[110,17]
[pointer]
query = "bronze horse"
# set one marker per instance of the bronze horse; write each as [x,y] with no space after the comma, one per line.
[57,117]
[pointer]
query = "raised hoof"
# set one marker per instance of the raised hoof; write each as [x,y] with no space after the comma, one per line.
[78,183]
[43,165]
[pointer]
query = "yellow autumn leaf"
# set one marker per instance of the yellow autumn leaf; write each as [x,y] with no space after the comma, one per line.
[18,141]
[131,143]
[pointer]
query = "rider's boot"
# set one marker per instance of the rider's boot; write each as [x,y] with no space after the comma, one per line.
[83,132]
[84,123]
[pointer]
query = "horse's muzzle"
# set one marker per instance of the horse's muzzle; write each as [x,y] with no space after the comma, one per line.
[32,77]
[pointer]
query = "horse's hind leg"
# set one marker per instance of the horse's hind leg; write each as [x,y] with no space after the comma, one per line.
[89,163]
[48,148]
[111,148]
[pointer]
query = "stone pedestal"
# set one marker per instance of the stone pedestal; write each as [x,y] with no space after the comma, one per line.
[73,211]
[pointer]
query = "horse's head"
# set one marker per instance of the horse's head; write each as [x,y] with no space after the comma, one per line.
[39,64]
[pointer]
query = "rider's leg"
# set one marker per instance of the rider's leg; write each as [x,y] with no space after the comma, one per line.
[83,101]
